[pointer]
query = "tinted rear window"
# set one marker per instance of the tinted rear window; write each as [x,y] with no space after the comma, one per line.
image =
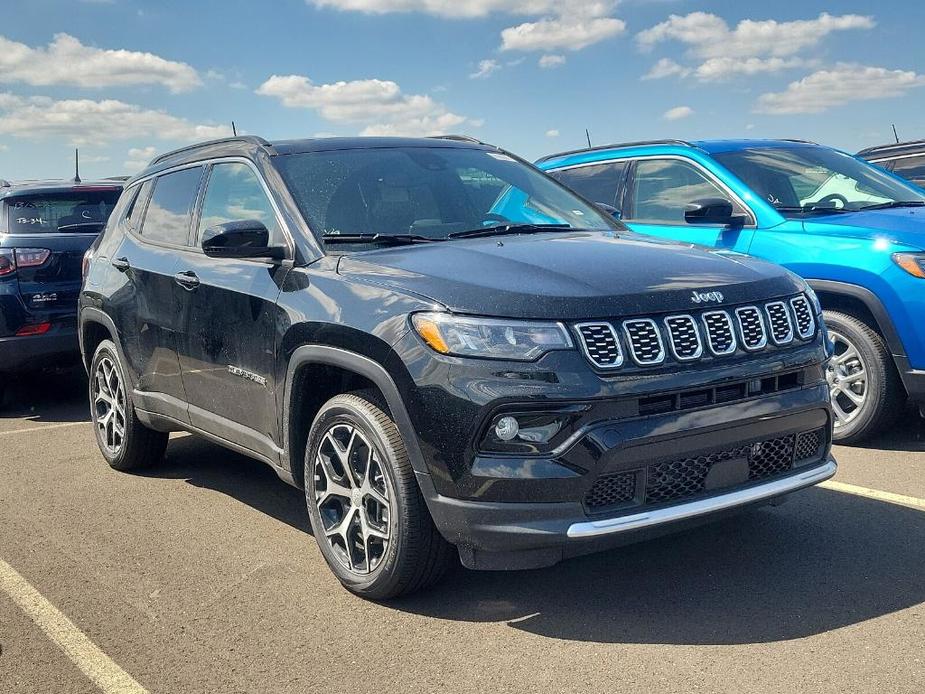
[71,212]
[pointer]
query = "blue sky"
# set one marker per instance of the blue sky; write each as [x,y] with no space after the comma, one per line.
[126,78]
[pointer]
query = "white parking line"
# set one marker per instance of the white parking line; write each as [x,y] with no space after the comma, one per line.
[875,494]
[86,655]
[44,427]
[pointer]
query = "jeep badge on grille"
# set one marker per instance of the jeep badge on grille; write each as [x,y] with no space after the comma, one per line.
[707,297]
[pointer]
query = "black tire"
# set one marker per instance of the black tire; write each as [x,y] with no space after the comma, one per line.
[138,446]
[884,391]
[416,555]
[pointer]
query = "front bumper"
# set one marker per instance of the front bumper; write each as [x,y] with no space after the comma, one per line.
[503,536]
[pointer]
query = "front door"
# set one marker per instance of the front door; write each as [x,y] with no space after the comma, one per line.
[231,319]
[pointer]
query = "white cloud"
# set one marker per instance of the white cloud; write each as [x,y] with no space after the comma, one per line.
[380,105]
[66,61]
[457,9]
[552,133]
[844,83]
[485,69]
[84,121]
[550,61]
[678,112]
[751,47]
[138,158]
[565,32]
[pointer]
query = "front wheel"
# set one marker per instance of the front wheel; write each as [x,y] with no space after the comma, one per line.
[367,512]
[864,387]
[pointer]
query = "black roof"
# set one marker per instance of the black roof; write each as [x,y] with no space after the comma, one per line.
[8,188]
[896,149]
[250,144]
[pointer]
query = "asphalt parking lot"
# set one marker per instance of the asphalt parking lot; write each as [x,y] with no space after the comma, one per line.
[201,576]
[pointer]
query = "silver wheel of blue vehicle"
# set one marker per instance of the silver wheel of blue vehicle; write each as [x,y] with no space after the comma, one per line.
[847,378]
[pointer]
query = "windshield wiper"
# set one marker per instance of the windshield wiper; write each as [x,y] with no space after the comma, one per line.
[381,239]
[894,203]
[502,229]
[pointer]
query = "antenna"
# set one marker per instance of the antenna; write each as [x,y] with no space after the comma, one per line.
[76,165]
[894,133]
[588,137]
[234,130]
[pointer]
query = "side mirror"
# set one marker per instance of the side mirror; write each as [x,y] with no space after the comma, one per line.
[609,209]
[712,211]
[246,238]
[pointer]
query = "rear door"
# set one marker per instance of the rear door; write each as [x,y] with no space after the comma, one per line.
[147,307]
[231,320]
[599,182]
[47,235]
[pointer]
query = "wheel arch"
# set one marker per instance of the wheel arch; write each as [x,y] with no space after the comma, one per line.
[94,327]
[862,303]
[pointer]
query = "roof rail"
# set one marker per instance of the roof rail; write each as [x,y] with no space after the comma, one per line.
[798,140]
[618,145]
[457,138]
[248,139]
[891,145]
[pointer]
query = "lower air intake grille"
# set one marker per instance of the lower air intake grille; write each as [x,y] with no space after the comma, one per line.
[810,445]
[611,490]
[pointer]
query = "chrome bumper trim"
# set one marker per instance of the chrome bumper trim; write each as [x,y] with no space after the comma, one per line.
[768,490]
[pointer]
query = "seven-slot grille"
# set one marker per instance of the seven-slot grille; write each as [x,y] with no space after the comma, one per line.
[645,341]
[779,320]
[600,344]
[806,323]
[719,332]
[689,337]
[683,337]
[751,328]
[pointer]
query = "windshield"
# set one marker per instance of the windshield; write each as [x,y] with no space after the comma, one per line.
[818,179]
[71,212]
[428,193]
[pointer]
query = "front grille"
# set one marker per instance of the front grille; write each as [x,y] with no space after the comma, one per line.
[802,311]
[689,337]
[600,344]
[611,490]
[645,341]
[751,328]
[683,337]
[779,322]
[719,332]
[686,478]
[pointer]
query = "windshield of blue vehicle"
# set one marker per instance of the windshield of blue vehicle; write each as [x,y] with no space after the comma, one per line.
[801,179]
[429,193]
[71,212]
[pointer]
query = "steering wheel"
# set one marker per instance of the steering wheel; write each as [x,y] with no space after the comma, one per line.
[832,197]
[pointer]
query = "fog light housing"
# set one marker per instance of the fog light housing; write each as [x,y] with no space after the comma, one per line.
[507,428]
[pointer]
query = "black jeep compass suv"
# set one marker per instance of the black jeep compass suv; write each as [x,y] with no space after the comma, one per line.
[445,347]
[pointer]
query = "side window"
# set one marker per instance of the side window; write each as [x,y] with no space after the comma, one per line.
[597,183]
[167,219]
[136,207]
[664,187]
[911,168]
[234,193]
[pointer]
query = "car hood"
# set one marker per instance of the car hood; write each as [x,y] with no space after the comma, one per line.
[568,275]
[905,225]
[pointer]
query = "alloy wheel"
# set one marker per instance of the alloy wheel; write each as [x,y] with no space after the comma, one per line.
[354,498]
[109,404]
[847,378]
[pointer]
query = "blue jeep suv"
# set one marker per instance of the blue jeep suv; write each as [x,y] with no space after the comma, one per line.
[45,229]
[854,231]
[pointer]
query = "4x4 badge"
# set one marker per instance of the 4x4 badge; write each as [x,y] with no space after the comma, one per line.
[707,297]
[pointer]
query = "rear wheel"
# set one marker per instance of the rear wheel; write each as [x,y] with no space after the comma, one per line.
[366,510]
[123,440]
[864,387]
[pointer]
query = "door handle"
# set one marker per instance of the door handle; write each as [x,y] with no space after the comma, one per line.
[188,280]
[121,264]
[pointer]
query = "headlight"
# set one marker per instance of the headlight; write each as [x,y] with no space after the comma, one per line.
[913,263]
[466,336]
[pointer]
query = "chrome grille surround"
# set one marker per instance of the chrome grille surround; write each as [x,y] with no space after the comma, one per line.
[601,345]
[803,313]
[684,337]
[779,323]
[751,328]
[720,334]
[644,340]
